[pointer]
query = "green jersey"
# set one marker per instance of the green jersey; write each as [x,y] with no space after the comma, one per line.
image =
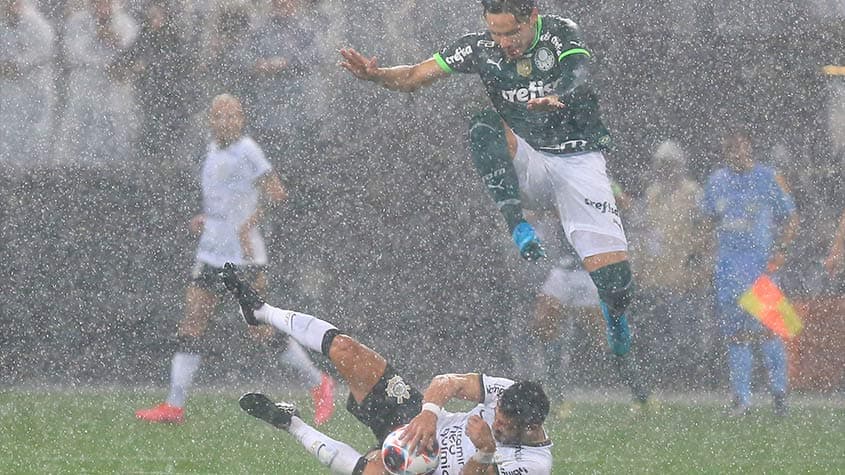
[554,64]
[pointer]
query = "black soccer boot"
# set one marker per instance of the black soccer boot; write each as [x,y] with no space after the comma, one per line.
[277,415]
[248,298]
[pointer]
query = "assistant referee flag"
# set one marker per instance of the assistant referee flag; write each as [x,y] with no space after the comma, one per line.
[765,301]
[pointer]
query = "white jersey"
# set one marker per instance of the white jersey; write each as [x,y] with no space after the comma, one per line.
[456,448]
[229,198]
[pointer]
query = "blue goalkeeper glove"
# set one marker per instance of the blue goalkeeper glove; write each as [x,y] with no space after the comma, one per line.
[527,241]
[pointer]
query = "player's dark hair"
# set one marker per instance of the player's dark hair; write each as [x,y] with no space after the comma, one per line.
[525,403]
[521,9]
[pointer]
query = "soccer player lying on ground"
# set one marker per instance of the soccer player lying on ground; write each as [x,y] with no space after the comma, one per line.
[543,142]
[503,434]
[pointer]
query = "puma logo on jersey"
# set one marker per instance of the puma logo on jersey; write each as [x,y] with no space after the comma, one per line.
[493,180]
[498,64]
[534,90]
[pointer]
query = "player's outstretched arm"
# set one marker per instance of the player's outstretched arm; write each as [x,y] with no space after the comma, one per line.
[445,387]
[397,78]
[422,429]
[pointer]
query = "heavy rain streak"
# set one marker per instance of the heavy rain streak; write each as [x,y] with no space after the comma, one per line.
[637,205]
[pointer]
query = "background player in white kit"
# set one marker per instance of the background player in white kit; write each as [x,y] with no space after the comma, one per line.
[237,184]
[503,434]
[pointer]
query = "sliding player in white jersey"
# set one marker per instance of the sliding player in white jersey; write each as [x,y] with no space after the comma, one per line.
[503,434]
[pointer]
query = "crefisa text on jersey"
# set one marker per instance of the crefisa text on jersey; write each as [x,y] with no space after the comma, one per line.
[534,90]
[459,55]
[603,206]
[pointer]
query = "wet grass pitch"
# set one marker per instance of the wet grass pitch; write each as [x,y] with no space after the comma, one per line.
[95,431]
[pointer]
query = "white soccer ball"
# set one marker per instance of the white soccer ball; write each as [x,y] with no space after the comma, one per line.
[398,461]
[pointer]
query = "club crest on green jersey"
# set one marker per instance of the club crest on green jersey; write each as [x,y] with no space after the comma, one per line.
[544,59]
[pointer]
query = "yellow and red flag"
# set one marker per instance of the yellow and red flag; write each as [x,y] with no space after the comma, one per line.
[765,301]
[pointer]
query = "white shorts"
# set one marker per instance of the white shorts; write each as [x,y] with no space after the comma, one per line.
[571,287]
[577,186]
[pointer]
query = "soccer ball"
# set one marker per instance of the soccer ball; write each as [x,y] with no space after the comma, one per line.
[398,461]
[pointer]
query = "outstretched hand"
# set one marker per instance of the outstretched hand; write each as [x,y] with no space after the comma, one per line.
[421,431]
[545,104]
[360,66]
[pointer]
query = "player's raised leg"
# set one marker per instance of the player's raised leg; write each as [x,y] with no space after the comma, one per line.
[249,300]
[379,397]
[360,367]
[615,285]
[492,147]
[590,216]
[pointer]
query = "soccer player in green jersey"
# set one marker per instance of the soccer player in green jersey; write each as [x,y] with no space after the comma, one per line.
[542,142]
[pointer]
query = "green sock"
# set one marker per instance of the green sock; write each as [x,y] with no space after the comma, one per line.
[489,148]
